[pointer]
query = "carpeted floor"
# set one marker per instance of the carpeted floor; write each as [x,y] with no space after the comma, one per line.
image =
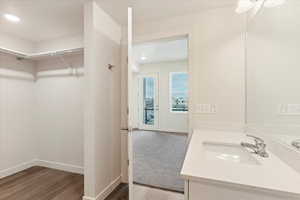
[158,158]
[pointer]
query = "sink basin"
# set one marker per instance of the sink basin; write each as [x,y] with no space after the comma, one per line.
[228,153]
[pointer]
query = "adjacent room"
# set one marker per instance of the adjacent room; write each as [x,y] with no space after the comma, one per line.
[160,90]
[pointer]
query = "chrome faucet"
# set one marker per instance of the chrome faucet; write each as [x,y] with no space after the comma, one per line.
[296,144]
[258,148]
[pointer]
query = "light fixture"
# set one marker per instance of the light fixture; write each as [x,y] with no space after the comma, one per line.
[256,5]
[143,58]
[12,18]
[135,68]
[244,6]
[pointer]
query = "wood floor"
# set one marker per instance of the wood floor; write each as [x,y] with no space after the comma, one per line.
[39,183]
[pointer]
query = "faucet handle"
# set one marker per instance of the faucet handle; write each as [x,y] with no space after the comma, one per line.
[256,139]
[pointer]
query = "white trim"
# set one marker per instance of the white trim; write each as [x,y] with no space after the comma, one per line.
[129,99]
[186,190]
[107,191]
[170,92]
[43,163]
[17,168]
[124,156]
[60,166]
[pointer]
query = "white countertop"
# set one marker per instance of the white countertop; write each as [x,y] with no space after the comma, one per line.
[271,173]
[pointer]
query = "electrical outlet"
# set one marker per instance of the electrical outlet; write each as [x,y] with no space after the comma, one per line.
[289,109]
[206,108]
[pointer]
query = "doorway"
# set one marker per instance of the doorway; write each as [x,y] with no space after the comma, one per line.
[160,85]
[160,117]
[148,107]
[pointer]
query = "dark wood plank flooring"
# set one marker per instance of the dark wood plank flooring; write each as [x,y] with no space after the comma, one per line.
[39,183]
[120,193]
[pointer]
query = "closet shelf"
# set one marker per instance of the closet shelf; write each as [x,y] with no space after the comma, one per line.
[43,55]
[39,56]
[12,52]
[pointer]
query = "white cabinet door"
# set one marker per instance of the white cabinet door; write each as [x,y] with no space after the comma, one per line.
[220,191]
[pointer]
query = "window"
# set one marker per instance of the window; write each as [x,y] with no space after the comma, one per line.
[148,88]
[178,92]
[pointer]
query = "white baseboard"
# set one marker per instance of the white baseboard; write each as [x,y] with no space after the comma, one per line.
[42,163]
[124,179]
[60,166]
[16,169]
[104,193]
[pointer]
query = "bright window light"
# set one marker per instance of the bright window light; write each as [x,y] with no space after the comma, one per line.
[12,18]
[179,92]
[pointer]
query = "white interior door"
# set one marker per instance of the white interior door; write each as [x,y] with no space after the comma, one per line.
[130,102]
[148,101]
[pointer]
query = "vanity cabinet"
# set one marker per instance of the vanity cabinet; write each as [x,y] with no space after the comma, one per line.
[222,191]
[215,168]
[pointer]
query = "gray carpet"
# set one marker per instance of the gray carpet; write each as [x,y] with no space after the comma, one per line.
[158,159]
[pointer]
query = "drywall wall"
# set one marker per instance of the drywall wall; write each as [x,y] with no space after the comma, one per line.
[59,113]
[16,44]
[69,42]
[167,121]
[17,138]
[102,156]
[216,63]
[26,47]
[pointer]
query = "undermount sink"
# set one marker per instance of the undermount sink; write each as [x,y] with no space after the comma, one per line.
[228,153]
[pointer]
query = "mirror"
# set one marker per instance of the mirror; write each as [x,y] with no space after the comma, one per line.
[273,72]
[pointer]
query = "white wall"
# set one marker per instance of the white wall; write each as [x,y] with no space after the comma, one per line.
[168,121]
[216,62]
[69,42]
[102,112]
[16,44]
[27,47]
[41,120]
[17,138]
[59,113]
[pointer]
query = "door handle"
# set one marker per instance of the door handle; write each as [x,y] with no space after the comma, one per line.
[129,129]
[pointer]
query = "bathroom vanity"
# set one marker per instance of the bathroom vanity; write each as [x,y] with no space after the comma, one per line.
[217,167]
